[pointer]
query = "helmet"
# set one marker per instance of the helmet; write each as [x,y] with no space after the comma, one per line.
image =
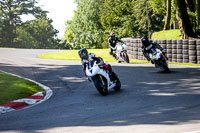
[83,53]
[112,34]
[145,41]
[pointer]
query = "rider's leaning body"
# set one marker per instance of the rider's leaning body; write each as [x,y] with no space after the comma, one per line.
[86,57]
[147,45]
[112,41]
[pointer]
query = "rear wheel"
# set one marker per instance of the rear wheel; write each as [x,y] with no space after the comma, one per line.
[101,84]
[116,79]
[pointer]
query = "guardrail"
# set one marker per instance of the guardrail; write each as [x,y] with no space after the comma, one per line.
[181,51]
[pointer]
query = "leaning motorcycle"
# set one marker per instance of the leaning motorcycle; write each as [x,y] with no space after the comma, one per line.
[121,53]
[159,59]
[101,78]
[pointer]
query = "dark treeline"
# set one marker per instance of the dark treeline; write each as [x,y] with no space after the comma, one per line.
[94,20]
[36,33]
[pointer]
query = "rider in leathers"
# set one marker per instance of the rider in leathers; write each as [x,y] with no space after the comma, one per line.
[147,45]
[86,57]
[112,41]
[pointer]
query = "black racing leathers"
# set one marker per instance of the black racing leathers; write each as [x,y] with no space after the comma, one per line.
[147,50]
[112,41]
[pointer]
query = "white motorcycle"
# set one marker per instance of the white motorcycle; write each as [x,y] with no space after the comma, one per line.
[121,53]
[101,79]
[159,59]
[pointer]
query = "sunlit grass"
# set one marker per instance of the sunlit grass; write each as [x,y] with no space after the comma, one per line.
[12,88]
[103,53]
[73,55]
[167,34]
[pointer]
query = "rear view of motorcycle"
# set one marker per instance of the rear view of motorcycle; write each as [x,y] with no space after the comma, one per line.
[102,79]
[121,53]
[159,59]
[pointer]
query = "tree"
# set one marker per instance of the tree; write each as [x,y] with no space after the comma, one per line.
[86,26]
[168,16]
[10,17]
[118,16]
[184,19]
[38,33]
[149,15]
[198,12]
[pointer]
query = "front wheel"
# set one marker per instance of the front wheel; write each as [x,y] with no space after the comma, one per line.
[125,57]
[164,65]
[116,79]
[101,84]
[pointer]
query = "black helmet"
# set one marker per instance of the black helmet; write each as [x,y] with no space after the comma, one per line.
[145,41]
[83,53]
[112,34]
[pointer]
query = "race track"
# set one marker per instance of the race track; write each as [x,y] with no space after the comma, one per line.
[150,101]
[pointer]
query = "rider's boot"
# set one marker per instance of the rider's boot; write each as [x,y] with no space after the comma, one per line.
[115,57]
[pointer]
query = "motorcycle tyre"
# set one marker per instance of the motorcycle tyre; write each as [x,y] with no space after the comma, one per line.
[125,57]
[99,86]
[118,83]
[164,65]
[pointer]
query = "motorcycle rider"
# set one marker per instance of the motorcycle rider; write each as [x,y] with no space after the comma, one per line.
[86,57]
[147,45]
[112,41]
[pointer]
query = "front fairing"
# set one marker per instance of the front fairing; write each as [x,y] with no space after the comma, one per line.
[92,69]
[155,54]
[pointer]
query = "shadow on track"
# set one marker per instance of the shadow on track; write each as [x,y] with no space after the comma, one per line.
[147,97]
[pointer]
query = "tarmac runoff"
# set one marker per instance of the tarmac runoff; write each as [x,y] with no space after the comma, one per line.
[29,101]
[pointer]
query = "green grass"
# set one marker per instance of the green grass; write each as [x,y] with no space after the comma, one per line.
[167,34]
[189,64]
[12,88]
[73,55]
[103,53]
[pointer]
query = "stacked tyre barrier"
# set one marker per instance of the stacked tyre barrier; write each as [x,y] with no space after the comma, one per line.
[185,51]
[180,51]
[198,52]
[169,49]
[192,51]
[174,50]
[135,49]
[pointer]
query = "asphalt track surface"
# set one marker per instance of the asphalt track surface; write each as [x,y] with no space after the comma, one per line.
[150,101]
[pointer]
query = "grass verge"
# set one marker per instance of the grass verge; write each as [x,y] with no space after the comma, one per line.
[103,53]
[12,88]
[73,55]
[167,34]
